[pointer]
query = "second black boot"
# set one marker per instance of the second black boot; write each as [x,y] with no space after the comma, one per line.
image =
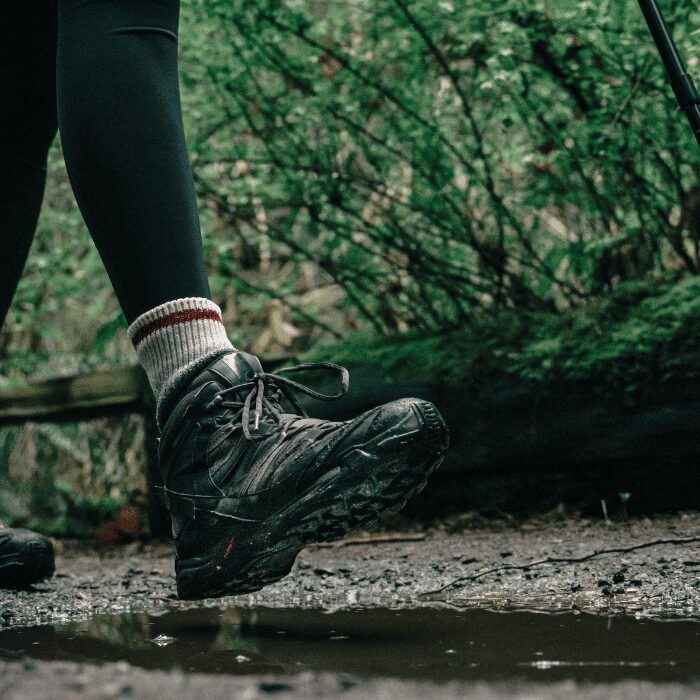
[26,557]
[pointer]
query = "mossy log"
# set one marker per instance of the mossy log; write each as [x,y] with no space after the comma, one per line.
[78,397]
[528,446]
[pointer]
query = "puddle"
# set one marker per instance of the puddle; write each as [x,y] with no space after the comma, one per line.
[429,643]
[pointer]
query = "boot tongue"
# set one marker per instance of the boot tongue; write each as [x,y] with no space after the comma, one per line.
[236,367]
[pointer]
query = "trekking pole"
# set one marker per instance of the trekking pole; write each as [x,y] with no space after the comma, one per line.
[682,84]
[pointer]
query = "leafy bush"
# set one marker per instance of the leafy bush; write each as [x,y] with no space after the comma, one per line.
[440,160]
[625,345]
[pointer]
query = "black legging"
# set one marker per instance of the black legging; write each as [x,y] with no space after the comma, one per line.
[105,73]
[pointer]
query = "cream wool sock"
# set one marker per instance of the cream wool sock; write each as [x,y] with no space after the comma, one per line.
[173,341]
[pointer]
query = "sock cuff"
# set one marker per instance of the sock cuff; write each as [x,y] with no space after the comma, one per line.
[173,341]
[170,314]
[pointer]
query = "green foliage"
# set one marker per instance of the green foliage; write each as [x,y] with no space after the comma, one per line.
[107,331]
[63,513]
[69,479]
[64,290]
[54,508]
[640,335]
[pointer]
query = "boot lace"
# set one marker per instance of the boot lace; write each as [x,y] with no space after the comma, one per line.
[266,389]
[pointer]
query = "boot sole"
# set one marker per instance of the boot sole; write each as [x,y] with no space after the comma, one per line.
[249,556]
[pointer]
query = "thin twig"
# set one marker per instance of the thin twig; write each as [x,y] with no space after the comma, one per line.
[562,560]
[377,539]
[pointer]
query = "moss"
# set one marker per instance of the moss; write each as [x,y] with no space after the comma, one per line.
[638,336]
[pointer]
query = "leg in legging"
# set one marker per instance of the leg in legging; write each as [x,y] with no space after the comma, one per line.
[27,129]
[122,135]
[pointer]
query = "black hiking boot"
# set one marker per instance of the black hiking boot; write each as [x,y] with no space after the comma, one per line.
[25,558]
[248,484]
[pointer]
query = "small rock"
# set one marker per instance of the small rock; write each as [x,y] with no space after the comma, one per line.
[618,577]
[274,686]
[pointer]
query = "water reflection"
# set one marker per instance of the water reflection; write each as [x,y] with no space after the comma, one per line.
[433,644]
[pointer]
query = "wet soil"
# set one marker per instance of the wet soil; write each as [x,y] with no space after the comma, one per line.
[642,606]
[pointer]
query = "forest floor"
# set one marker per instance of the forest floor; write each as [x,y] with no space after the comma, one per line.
[90,631]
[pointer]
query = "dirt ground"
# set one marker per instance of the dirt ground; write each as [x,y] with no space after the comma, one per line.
[71,681]
[496,564]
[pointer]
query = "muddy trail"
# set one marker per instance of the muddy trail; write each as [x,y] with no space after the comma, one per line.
[491,608]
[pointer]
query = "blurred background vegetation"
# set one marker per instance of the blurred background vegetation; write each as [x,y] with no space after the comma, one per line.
[512,174]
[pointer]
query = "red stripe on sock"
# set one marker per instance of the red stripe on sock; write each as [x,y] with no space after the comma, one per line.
[173,319]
